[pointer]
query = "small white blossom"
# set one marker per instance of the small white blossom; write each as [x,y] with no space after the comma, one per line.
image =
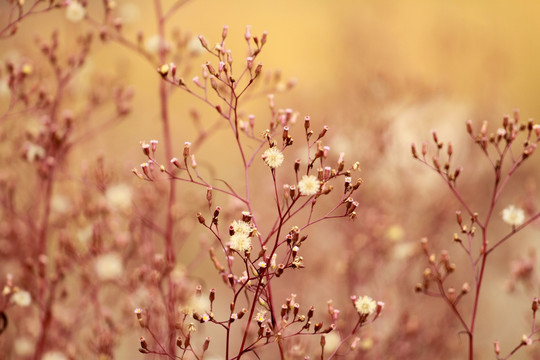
[513,215]
[240,242]
[273,157]
[75,12]
[309,185]
[241,227]
[365,305]
[109,266]
[261,316]
[21,298]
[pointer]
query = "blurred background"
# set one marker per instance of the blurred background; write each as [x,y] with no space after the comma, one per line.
[381,74]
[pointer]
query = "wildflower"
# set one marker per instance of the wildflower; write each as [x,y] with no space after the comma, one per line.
[21,298]
[119,197]
[109,266]
[513,216]
[240,242]
[260,317]
[365,305]
[309,185]
[241,227]
[273,157]
[75,12]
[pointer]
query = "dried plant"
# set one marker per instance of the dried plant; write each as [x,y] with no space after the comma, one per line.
[505,150]
[90,250]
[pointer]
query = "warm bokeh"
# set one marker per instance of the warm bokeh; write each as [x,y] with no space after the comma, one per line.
[381,74]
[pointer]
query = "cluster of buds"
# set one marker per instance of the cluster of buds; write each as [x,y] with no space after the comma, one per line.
[333,312]
[215,215]
[290,309]
[220,76]
[442,168]
[507,134]
[467,230]
[148,167]
[293,237]
[438,270]
[258,42]
[236,315]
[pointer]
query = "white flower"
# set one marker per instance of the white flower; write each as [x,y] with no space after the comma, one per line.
[240,242]
[75,12]
[365,305]
[241,227]
[119,197]
[54,355]
[513,215]
[273,157]
[109,266]
[21,298]
[309,185]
